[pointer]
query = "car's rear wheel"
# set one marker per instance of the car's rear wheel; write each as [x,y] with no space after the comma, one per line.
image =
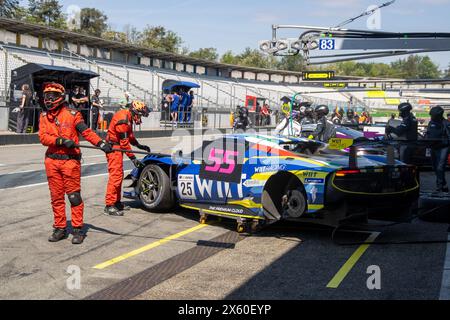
[294,203]
[154,189]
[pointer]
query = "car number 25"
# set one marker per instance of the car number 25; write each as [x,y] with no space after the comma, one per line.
[186,187]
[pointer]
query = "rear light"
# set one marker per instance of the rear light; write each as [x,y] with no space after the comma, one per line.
[343,173]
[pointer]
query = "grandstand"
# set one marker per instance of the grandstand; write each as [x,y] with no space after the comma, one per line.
[141,71]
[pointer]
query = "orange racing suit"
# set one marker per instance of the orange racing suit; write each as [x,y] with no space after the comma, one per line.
[63,165]
[120,135]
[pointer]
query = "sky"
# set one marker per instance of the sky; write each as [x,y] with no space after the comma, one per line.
[237,24]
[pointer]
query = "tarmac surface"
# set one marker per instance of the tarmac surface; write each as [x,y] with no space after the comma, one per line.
[174,257]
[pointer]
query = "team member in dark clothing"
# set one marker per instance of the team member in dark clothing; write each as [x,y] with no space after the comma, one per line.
[321,115]
[439,130]
[407,130]
[351,118]
[80,102]
[24,109]
[96,105]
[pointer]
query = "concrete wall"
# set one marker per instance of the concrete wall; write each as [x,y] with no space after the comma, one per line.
[4,114]
[50,45]
[29,41]
[7,37]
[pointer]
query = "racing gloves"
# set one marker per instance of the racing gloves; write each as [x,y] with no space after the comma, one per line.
[105,146]
[145,148]
[62,142]
[138,164]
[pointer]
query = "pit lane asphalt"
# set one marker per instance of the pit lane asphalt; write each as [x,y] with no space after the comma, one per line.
[285,261]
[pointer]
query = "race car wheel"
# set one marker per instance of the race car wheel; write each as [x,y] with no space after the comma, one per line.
[154,189]
[294,203]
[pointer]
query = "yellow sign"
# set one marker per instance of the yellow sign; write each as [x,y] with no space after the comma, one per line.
[335,85]
[339,144]
[318,75]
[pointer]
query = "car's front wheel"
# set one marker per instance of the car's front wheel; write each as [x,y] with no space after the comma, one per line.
[154,189]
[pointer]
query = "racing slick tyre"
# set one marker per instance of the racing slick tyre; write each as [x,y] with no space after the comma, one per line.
[154,189]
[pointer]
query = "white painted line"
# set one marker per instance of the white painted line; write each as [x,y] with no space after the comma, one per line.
[445,286]
[45,183]
[43,169]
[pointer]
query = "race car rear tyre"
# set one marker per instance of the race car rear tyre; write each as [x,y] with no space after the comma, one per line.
[154,189]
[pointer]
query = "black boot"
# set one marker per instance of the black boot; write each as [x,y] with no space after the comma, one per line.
[122,207]
[113,211]
[78,236]
[58,235]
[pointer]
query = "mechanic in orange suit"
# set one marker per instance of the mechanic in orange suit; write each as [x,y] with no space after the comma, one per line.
[120,135]
[59,129]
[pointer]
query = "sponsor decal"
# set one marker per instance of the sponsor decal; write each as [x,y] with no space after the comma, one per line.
[226,209]
[314,181]
[272,168]
[310,174]
[254,183]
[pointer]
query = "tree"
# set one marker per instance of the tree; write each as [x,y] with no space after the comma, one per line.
[209,54]
[447,72]
[8,8]
[93,21]
[48,12]
[228,58]
[255,58]
[160,38]
[133,35]
[292,63]
[115,36]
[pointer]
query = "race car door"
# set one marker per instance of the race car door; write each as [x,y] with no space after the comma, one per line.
[215,173]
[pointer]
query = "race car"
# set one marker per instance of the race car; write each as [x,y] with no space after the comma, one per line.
[260,180]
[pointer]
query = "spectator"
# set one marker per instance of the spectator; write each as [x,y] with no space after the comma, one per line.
[265,114]
[258,115]
[174,108]
[24,109]
[182,116]
[125,102]
[190,105]
[165,107]
[80,102]
[96,105]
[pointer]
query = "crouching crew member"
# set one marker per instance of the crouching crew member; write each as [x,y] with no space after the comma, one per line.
[120,135]
[59,130]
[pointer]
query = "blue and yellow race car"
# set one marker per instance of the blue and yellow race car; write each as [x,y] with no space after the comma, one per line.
[259,180]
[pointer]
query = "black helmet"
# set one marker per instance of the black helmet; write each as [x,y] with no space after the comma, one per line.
[309,111]
[322,110]
[405,107]
[340,112]
[437,113]
[350,113]
[305,104]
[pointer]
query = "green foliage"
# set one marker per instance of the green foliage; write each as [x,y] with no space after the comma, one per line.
[209,54]
[8,8]
[93,22]
[47,12]
[160,38]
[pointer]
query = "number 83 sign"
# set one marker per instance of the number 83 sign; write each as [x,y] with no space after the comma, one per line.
[327,44]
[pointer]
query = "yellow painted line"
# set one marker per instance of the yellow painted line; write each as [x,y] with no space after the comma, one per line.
[148,247]
[351,262]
